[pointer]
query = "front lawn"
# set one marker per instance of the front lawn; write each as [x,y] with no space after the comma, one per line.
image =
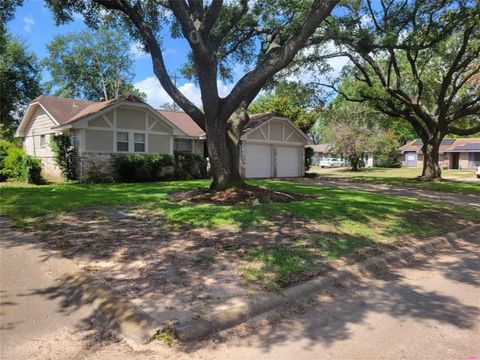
[271,245]
[405,177]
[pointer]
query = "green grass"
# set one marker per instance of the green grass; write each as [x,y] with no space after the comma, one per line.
[349,219]
[406,177]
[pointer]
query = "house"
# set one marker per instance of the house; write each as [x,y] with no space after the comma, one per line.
[270,145]
[321,152]
[324,151]
[463,153]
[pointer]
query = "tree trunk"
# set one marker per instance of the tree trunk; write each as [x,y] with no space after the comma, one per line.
[223,145]
[354,163]
[431,168]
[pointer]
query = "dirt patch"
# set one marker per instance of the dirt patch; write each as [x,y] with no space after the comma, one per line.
[247,195]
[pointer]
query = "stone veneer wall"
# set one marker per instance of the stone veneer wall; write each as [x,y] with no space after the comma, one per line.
[93,166]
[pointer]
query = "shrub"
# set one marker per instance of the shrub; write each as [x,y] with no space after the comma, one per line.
[21,167]
[308,158]
[189,166]
[64,155]
[141,167]
[5,146]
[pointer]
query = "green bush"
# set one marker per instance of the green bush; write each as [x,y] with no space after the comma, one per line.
[5,146]
[141,167]
[189,166]
[21,167]
[308,158]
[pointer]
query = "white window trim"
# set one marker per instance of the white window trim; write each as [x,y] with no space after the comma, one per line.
[144,142]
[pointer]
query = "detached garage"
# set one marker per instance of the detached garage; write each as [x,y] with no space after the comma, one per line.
[272,146]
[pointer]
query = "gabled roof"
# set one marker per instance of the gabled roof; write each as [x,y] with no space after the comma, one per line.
[447,145]
[62,109]
[321,148]
[183,122]
[257,120]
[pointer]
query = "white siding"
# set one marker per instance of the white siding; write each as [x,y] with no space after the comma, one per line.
[41,126]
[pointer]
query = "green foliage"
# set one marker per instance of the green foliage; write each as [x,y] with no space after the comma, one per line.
[5,147]
[141,167]
[19,82]
[386,152]
[292,100]
[308,158]
[189,166]
[19,166]
[91,65]
[64,153]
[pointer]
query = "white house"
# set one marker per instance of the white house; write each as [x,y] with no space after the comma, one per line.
[271,145]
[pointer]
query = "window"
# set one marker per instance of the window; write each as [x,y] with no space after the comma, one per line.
[139,144]
[42,141]
[122,141]
[182,145]
[476,159]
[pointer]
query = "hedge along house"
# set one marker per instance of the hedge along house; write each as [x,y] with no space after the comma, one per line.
[271,145]
[462,153]
[100,129]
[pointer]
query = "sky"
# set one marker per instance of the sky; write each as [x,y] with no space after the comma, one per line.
[35,26]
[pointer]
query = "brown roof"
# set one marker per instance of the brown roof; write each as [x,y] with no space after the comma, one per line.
[258,119]
[183,122]
[447,145]
[62,109]
[321,148]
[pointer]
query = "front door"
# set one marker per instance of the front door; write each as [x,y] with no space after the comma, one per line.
[454,157]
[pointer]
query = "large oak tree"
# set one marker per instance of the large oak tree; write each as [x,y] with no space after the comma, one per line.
[416,60]
[261,36]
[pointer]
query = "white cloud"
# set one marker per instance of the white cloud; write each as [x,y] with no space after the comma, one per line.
[28,22]
[78,17]
[157,96]
[137,51]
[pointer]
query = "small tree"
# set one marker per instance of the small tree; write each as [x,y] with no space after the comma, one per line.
[352,130]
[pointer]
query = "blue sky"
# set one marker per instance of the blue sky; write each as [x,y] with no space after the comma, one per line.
[34,24]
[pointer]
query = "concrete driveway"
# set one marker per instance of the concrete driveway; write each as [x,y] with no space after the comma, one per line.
[428,308]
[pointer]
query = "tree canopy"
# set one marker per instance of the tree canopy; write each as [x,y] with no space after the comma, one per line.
[19,82]
[412,60]
[292,100]
[261,37]
[93,65]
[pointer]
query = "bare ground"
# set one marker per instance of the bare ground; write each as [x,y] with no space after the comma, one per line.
[177,273]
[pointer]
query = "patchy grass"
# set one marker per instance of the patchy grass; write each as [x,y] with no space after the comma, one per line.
[405,177]
[272,244]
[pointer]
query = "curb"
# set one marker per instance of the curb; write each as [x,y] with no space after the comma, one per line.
[202,327]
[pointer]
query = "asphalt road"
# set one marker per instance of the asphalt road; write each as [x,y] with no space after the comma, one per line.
[426,309]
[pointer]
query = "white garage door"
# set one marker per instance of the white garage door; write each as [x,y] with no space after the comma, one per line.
[258,161]
[288,161]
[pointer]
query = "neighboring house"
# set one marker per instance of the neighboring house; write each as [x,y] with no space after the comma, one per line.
[454,153]
[128,125]
[321,152]
[324,151]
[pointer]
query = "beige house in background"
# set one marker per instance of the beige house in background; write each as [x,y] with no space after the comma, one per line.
[463,153]
[271,146]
